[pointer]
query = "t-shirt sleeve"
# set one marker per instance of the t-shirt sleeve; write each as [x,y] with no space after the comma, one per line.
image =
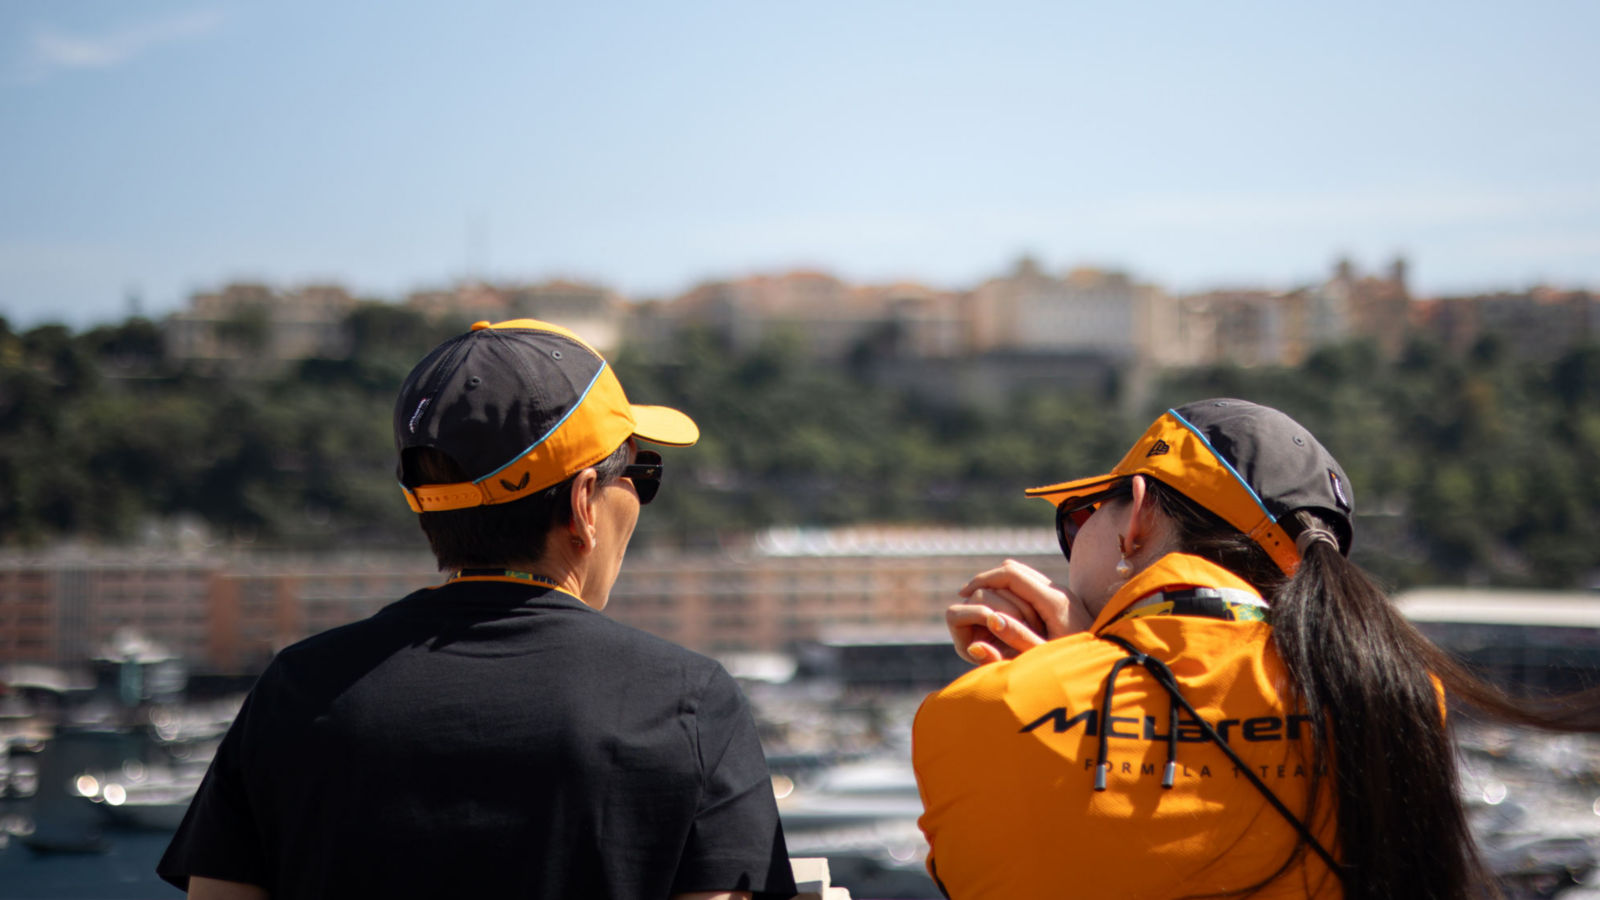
[218,837]
[736,841]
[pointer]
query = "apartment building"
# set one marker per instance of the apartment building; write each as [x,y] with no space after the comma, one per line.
[593,311]
[68,606]
[789,586]
[229,615]
[1533,324]
[251,327]
[1085,328]
[1087,310]
[222,614]
[831,318]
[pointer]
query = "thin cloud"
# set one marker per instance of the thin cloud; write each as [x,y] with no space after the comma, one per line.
[52,50]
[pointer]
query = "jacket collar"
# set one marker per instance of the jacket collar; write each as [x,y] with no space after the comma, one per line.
[1170,572]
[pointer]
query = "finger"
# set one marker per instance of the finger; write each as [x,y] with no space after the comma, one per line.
[1048,605]
[969,633]
[1015,635]
[1026,572]
[1008,574]
[1005,601]
[966,624]
[983,634]
[983,652]
[984,579]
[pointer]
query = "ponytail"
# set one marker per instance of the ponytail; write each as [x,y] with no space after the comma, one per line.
[1374,688]
[1362,674]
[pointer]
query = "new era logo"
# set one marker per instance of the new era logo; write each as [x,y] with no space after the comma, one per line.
[1161,448]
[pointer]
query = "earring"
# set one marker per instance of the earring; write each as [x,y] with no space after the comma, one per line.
[1124,568]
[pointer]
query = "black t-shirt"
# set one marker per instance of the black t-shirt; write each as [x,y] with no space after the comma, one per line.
[488,739]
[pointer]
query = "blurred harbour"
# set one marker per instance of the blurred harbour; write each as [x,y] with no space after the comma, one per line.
[94,778]
[1534,800]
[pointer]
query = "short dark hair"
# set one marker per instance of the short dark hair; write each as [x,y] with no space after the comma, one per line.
[501,534]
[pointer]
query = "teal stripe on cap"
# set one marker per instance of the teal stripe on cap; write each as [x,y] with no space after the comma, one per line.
[553,429]
[1226,465]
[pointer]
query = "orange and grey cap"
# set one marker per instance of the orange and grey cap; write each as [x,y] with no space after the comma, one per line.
[1250,464]
[520,406]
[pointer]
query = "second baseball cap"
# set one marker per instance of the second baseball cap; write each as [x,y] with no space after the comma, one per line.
[520,406]
[1250,464]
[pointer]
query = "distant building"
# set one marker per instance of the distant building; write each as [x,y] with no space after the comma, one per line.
[1350,304]
[254,329]
[222,614]
[831,318]
[863,604]
[920,322]
[62,608]
[259,605]
[1087,310]
[1241,327]
[230,614]
[790,586]
[1540,323]
[595,313]
[1255,327]
[468,302]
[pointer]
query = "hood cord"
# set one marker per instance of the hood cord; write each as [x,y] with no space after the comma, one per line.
[1164,677]
[1102,761]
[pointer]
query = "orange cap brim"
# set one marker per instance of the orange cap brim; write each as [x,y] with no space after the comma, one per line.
[664,425]
[1067,490]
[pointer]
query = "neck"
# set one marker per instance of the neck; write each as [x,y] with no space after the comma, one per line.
[573,584]
[568,566]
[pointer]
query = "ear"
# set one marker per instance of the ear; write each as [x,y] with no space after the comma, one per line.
[582,524]
[1138,527]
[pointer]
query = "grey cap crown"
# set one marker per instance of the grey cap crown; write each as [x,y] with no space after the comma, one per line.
[1282,462]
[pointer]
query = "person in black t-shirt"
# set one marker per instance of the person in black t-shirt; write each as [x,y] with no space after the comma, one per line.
[497,735]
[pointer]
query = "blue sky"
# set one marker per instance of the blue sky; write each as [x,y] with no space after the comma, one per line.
[159,148]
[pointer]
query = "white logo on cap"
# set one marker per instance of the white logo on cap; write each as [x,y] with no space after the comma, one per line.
[418,414]
[1338,489]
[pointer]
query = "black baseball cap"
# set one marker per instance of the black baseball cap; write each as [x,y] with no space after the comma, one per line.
[520,405]
[1250,464]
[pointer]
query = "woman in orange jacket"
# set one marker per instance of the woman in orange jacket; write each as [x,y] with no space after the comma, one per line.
[1217,703]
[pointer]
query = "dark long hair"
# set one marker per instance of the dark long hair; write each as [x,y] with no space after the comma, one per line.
[1365,677]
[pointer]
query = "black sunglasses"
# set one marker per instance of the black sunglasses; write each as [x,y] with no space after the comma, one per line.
[1072,514]
[645,473]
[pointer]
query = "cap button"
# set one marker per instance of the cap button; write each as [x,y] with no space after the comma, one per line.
[479,326]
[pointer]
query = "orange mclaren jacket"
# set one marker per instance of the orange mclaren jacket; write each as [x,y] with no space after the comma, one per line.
[1006,761]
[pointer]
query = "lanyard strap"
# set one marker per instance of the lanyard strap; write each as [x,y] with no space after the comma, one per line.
[513,574]
[1227,604]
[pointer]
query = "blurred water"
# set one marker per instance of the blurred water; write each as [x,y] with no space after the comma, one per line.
[126,871]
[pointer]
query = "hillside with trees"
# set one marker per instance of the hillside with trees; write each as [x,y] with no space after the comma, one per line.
[1478,468]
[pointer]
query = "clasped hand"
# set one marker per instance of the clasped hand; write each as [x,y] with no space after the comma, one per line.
[1009,609]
